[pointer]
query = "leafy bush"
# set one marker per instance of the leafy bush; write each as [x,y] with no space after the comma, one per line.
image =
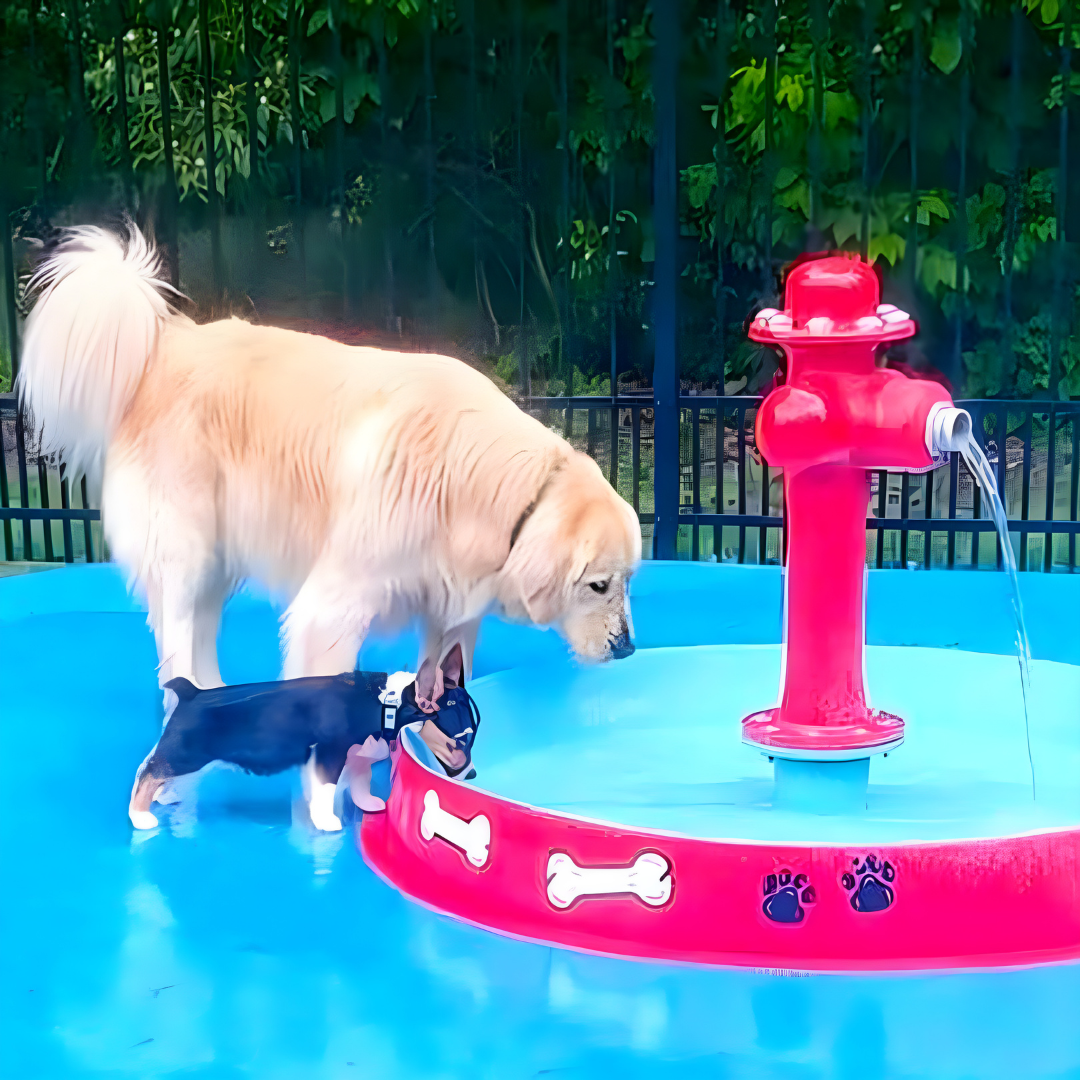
[451,178]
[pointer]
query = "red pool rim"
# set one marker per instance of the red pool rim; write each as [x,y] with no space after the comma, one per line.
[953,905]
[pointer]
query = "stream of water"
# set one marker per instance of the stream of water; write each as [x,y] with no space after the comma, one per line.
[979,465]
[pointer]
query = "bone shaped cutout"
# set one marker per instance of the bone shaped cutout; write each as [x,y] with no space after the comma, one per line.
[473,837]
[649,878]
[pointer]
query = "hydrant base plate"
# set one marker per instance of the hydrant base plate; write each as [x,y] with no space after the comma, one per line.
[856,736]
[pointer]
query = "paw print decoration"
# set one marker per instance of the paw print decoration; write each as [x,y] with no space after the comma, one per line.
[868,883]
[785,895]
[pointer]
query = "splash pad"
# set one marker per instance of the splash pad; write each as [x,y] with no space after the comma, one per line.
[814,871]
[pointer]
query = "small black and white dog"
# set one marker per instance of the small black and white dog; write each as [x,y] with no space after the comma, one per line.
[327,724]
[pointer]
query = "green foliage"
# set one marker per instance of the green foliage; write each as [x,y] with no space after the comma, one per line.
[506,367]
[984,369]
[582,384]
[359,196]
[461,230]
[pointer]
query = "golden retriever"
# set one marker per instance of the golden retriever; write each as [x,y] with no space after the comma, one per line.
[359,482]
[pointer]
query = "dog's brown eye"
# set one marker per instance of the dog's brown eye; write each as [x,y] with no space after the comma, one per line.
[599,586]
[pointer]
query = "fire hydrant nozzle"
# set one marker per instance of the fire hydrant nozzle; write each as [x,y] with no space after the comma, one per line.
[947,428]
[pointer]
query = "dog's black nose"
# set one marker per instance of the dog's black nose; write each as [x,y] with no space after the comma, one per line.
[622,647]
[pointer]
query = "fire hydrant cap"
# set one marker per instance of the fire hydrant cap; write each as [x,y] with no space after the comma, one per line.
[836,288]
[836,296]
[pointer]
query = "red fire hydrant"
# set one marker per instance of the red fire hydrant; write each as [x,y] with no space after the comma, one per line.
[837,415]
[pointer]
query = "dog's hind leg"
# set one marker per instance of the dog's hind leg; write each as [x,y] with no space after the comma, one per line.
[168,543]
[142,796]
[185,604]
[172,597]
[208,604]
[319,791]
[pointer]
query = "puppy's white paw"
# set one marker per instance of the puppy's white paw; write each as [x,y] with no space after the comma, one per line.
[143,819]
[325,822]
[321,808]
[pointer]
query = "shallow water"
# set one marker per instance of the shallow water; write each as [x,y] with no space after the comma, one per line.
[619,744]
[234,942]
[984,476]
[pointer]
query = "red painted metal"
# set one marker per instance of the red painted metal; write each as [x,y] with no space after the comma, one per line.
[836,415]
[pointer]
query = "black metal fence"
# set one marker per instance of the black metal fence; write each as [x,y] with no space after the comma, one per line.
[39,522]
[730,501]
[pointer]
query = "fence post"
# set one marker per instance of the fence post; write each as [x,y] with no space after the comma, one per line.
[914,104]
[1060,199]
[11,314]
[294,19]
[768,155]
[723,71]
[251,97]
[126,162]
[523,225]
[170,196]
[210,150]
[665,295]
[967,38]
[563,265]
[866,122]
[429,16]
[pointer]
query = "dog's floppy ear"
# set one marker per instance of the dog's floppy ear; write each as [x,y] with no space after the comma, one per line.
[548,578]
[453,667]
[550,553]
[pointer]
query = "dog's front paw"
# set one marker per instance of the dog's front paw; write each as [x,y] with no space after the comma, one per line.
[325,822]
[321,809]
[143,819]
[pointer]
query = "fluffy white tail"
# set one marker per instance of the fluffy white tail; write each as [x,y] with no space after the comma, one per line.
[101,307]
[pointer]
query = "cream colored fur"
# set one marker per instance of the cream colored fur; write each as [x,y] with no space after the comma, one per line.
[83,368]
[361,482]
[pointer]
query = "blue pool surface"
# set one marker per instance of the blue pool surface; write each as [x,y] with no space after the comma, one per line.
[655,741]
[235,942]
